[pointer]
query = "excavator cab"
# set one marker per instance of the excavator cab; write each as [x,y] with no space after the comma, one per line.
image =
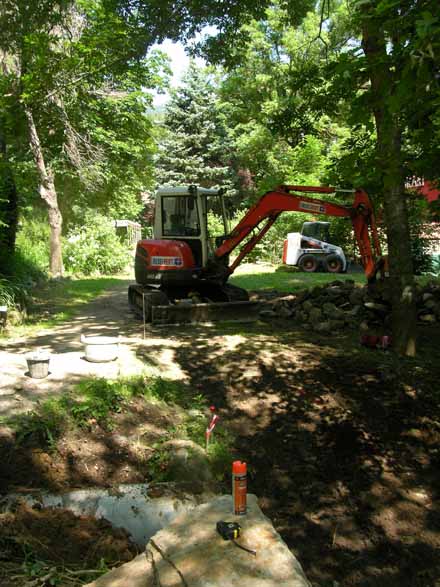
[176,269]
[181,214]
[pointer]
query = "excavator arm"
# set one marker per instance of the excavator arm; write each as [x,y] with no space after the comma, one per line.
[264,213]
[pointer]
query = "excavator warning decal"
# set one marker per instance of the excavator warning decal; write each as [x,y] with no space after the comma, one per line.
[168,261]
[310,207]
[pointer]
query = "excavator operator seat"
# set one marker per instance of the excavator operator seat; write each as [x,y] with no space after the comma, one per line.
[318,230]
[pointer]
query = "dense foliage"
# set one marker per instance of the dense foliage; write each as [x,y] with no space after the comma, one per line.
[27,265]
[74,105]
[268,93]
[94,247]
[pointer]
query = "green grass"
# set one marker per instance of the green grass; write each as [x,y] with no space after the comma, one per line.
[58,300]
[261,277]
[95,401]
[67,294]
[253,277]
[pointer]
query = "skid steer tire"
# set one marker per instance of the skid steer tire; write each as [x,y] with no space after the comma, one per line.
[308,263]
[333,263]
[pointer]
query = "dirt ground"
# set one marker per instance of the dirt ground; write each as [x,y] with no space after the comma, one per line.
[342,443]
[87,457]
[61,540]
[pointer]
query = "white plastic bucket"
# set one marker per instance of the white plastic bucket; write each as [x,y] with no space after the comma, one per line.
[100,349]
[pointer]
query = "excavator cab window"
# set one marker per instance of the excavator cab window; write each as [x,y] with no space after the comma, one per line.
[218,224]
[180,216]
[318,230]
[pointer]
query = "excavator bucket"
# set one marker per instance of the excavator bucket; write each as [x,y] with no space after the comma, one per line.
[206,313]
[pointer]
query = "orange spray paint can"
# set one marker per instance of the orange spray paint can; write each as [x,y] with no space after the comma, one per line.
[239,487]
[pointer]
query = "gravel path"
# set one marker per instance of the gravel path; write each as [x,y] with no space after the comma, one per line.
[109,315]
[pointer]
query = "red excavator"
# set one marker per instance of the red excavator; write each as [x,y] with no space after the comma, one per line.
[182,273]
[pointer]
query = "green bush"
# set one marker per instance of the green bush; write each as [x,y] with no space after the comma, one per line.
[417,216]
[422,260]
[95,248]
[435,264]
[13,294]
[215,225]
[26,267]
[32,249]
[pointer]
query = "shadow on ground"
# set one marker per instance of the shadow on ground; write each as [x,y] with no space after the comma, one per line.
[108,315]
[91,456]
[342,446]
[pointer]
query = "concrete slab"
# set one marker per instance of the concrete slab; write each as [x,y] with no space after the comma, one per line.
[107,315]
[190,553]
[20,393]
[126,506]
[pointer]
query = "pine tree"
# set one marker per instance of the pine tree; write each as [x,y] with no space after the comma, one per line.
[196,147]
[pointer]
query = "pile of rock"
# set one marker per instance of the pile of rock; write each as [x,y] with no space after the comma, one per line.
[345,304]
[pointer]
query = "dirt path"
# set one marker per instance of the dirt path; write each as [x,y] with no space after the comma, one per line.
[109,314]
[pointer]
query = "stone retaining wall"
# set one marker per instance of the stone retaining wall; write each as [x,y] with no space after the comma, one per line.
[345,304]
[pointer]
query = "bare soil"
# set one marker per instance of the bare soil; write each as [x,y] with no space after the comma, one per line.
[90,456]
[58,537]
[342,444]
[343,449]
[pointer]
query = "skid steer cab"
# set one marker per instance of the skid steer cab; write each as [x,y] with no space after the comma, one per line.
[311,251]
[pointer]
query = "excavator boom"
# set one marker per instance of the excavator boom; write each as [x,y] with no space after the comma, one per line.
[273,203]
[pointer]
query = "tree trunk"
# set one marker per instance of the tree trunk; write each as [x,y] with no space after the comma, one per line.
[8,206]
[404,316]
[48,193]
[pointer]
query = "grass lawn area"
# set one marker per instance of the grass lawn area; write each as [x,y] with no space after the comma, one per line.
[253,276]
[68,293]
[58,300]
[259,277]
